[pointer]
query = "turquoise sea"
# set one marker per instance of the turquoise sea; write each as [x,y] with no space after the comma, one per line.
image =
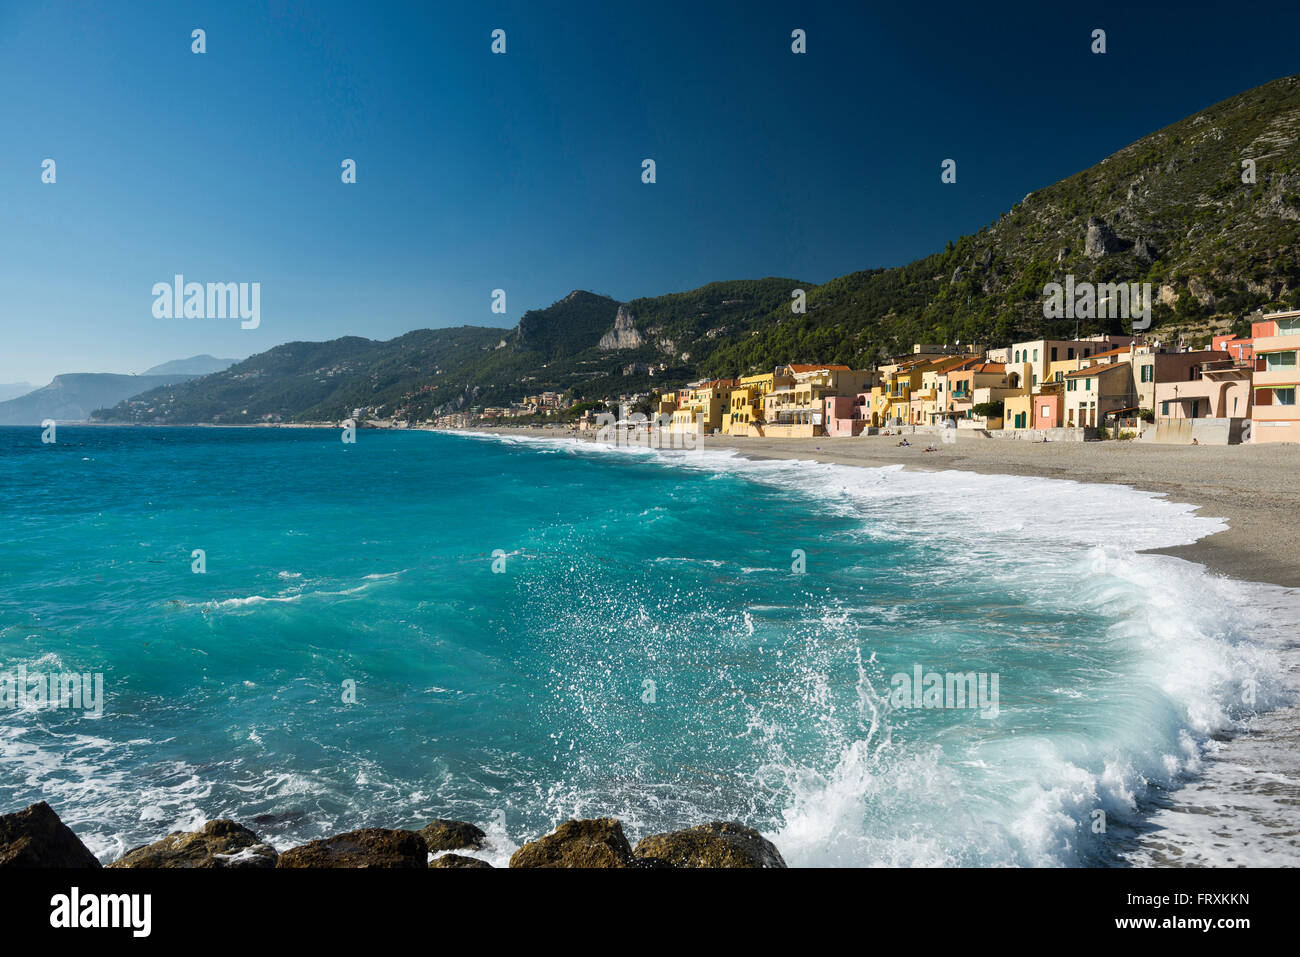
[667,639]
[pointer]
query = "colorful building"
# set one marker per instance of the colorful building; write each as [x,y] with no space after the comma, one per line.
[842,415]
[973,384]
[892,398]
[745,405]
[1216,388]
[700,407]
[1241,350]
[1275,416]
[1096,391]
[800,408]
[928,405]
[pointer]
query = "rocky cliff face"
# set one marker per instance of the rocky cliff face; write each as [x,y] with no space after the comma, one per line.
[624,335]
[1205,208]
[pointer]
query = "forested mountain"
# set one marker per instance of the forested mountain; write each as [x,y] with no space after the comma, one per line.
[1216,239]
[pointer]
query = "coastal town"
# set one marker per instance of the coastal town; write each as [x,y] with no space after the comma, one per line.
[1240,390]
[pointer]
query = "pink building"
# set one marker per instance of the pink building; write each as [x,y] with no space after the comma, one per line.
[1048,409]
[1276,411]
[842,415]
[1220,390]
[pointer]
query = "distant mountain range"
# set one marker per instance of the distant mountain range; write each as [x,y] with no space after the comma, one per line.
[9,390]
[72,397]
[1207,211]
[194,365]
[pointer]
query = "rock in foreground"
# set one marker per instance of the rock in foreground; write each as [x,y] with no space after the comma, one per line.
[368,847]
[458,860]
[444,835]
[594,843]
[35,837]
[219,844]
[719,844]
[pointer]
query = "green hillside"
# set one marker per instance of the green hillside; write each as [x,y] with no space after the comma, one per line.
[1171,210]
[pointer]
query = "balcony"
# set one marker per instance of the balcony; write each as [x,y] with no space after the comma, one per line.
[1287,343]
[1290,413]
[1278,377]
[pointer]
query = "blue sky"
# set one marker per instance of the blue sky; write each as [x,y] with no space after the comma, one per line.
[523,172]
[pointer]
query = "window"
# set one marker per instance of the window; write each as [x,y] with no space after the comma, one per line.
[1069,353]
[1035,382]
[1288,327]
[1017,355]
[1074,384]
[1086,353]
[1087,385]
[1284,396]
[1164,409]
[1279,360]
[1148,373]
[1053,353]
[1035,355]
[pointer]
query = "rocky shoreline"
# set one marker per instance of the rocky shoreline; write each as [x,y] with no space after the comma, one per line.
[35,837]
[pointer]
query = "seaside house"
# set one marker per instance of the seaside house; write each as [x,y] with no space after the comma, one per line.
[1154,366]
[929,403]
[843,414]
[973,384]
[791,414]
[1215,388]
[1017,409]
[1275,416]
[893,401]
[799,409]
[1039,366]
[744,415]
[1031,360]
[841,380]
[700,406]
[1202,396]
[665,405]
[1096,391]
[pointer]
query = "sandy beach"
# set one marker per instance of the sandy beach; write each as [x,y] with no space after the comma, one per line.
[1254,488]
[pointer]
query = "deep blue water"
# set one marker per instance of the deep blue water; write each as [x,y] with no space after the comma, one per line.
[648,652]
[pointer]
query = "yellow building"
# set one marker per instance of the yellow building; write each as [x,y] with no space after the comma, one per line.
[701,407]
[745,405]
[893,402]
[928,403]
[798,408]
[665,406]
